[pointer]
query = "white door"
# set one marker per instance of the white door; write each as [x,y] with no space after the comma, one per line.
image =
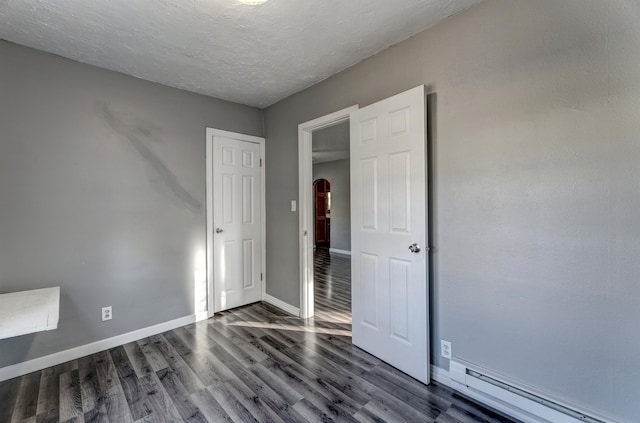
[237,223]
[388,200]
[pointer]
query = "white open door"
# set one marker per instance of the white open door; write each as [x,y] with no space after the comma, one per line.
[389,232]
[237,221]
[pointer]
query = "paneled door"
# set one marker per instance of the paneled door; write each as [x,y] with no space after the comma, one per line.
[389,232]
[322,232]
[237,223]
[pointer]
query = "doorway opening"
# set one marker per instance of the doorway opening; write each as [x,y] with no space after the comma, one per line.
[332,223]
[324,155]
[322,213]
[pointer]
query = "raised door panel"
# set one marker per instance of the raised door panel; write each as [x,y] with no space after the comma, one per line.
[369,193]
[400,191]
[248,199]
[369,281]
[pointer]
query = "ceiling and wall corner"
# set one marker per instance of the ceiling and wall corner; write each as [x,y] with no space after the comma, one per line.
[254,55]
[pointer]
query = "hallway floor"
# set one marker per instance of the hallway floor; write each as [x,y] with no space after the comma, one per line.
[250,364]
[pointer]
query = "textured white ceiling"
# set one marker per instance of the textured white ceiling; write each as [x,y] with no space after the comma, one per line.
[254,55]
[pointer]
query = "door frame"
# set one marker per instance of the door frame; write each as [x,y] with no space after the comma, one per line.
[305,192]
[210,134]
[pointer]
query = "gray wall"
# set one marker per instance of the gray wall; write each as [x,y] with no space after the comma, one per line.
[337,173]
[535,189]
[102,192]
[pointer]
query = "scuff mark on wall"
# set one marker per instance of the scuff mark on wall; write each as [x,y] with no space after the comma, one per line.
[131,133]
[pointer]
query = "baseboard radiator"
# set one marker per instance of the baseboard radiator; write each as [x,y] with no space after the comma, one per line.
[531,407]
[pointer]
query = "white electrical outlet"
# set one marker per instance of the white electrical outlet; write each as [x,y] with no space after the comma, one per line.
[107,313]
[445,349]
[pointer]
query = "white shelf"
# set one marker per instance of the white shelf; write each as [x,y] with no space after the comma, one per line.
[29,311]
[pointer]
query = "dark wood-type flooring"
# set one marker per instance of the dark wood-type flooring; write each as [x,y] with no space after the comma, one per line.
[251,364]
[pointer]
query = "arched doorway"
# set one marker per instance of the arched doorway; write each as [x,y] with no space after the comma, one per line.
[322,213]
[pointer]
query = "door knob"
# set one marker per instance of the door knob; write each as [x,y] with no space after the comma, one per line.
[414,248]
[218,230]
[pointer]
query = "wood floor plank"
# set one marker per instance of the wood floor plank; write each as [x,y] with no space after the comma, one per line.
[405,397]
[70,397]
[96,415]
[446,418]
[47,409]
[350,385]
[137,397]
[89,386]
[216,366]
[367,362]
[138,360]
[472,408]
[311,413]
[288,394]
[156,404]
[274,349]
[407,384]
[9,393]
[316,397]
[203,372]
[60,368]
[112,396]
[335,394]
[341,343]
[229,346]
[231,405]
[256,354]
[255,320]
[180,396]
[211,409]
[390,414]
[256,389]
[244,329]
[153,356]
[196,338]
[27,397]
[464,416]
[366,416]
[254,403]
[183,372]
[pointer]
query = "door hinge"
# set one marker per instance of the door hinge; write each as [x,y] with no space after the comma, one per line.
[260,162]
[261,277]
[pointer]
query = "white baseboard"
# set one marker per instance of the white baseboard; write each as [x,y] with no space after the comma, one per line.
[338,251]
[281,304]
[20,369]
[442,376]
[509,403]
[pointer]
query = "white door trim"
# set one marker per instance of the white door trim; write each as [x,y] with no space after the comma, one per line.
[210,134]
[305,216]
